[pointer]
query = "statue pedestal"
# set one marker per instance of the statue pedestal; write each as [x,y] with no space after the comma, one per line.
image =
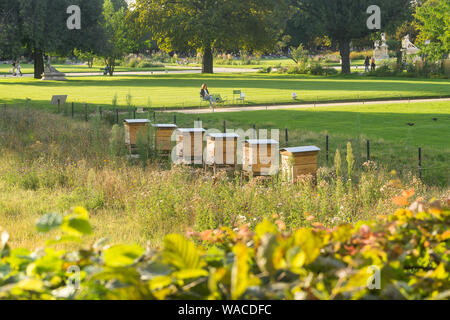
[381,53]
[51,73]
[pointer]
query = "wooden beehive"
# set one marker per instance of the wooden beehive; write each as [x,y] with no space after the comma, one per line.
[132,127]
[163,137]
[221,149]
[189,147]
[261,157]
[299,161]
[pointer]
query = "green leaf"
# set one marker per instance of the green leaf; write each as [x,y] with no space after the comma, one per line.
[343,233]
[51,262]
[264,255]
[77,223]
[49,222]
[122,255]
[264,228]
[160,282]
[240,271]
[77,227]
[181,253]
[190,274]
[310,243]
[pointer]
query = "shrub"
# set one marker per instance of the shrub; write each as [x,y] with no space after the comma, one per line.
[149,64]
[265,70]
[361,55]
[400,256]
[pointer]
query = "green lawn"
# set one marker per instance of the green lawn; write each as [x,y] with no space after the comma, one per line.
[29,69]
[393,143]
[183,90]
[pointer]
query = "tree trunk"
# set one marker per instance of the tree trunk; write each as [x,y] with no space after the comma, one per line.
[208,62]
[344,47]
[38,63]
[399,55]
[110,63]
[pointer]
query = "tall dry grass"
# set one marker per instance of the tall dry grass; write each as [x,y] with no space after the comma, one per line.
[49,163]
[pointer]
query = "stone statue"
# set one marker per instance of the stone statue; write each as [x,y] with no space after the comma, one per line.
[408,49]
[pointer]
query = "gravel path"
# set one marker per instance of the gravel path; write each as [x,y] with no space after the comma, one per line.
[301,106]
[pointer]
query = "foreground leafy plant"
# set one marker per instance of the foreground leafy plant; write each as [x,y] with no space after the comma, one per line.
[410,249]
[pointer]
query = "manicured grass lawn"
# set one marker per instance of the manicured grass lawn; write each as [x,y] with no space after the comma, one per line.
[393,143]
[183,90]
[29,69]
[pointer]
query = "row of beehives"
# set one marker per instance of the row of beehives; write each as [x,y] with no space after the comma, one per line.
[258,157]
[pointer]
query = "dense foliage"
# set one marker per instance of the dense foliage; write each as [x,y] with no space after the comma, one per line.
[410,249]
[207,25]
[434,26]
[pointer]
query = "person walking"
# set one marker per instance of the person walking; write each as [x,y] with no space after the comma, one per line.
[19,69]
[204,93]
[373,64]
[367,64]
[13,70]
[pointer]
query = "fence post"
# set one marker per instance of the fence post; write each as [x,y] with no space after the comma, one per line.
[420,163]
[327,148]
[73,110]
[85,112]
[154,116]
[224,126]
[287,136]
[174,119]
[134,113]
[117,116]
[368,150]
[59,105]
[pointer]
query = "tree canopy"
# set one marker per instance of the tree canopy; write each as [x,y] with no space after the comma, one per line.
[434,26]
[42,28]
[346,20]
[213,24]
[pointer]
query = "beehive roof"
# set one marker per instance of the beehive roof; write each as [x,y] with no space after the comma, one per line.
[189,130]
[223,135]
[136,121]
[262,141]
[162,125]
[301,149]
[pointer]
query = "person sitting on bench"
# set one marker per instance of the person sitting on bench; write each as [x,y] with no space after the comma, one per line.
[204,93]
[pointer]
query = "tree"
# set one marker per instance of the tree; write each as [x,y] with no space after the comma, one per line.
[206,25]
[43,27]
[142,37]
[434,26]
[298,54]
[87,56]
[346,20]
[9,29]
[115,28]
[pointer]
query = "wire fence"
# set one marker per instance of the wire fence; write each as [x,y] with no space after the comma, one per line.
[415,162]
